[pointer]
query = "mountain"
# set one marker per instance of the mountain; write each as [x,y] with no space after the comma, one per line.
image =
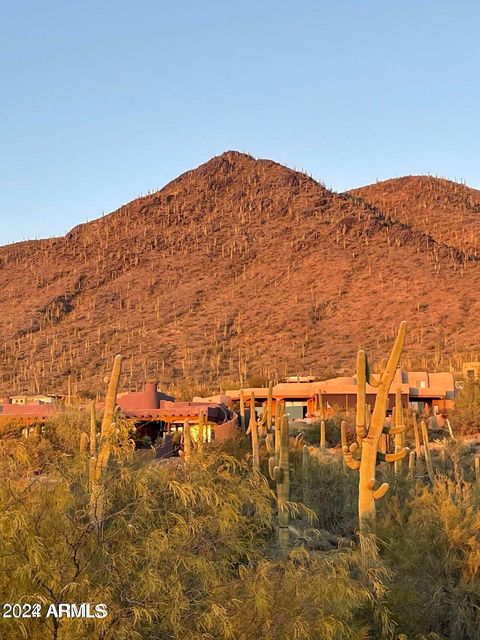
[240,265]
[447,210]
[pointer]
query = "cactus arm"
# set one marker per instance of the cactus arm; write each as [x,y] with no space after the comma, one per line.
[350,461]
[392,457]
[370,380]
[270,443]
[380,492]
[271,467]
[392,431]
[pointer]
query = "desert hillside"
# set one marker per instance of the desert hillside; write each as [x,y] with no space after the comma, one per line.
[243,266]
[447,210]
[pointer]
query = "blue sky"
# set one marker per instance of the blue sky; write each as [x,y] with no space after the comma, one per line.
[104,100]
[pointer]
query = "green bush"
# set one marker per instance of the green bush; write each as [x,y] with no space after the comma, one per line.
[431,542]
[466,416]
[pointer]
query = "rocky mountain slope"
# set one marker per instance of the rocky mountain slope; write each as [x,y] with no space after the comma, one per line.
[243,267]
[449,211]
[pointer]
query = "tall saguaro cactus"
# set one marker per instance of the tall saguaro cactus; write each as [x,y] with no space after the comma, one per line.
[279,413]
[399,429]
[253,429]
[201,430]
[416,433]
[427,452]
[322,436]
[100,460]
[364,454]
[187,441]
[280,473]
[242,409]
[360,420]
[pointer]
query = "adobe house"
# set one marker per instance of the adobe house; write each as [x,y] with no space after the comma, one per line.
[152,412]
[28,412]
[420,390]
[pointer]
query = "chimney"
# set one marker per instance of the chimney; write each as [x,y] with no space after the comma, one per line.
[151,395]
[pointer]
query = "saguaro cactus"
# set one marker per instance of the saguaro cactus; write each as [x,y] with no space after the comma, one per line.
[443,461]
[361,412]
[93,444]
[280,473]
[253,429]
[93,429]
[187,442]
[305,474]
[83,442]
[100,461]
[201,430]
[322,436]
[242,409]
[399,428]
[279,412]
[268,408]
[111,399]
[411,464]
[418,446]
[369,439]
[427,452]
[321,409]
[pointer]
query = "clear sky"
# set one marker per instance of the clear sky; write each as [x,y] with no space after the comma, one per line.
[102,100]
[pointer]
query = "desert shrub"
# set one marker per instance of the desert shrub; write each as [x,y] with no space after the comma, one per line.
[171,538]
[431,541]
[311,432]
[239,446]
[183,551]
[317,596]
[466,416]
[63,430]
[256,380]
[332,491]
